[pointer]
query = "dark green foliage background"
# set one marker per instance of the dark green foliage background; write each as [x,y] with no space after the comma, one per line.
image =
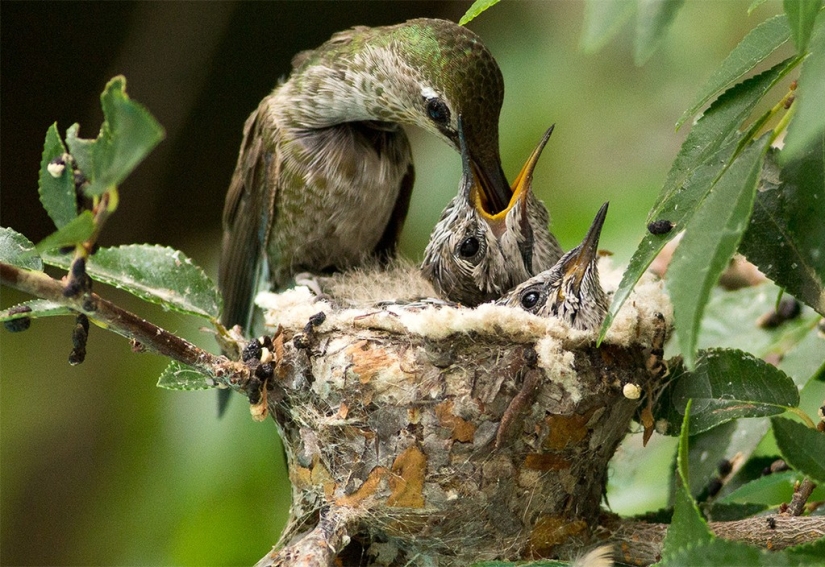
[99,466]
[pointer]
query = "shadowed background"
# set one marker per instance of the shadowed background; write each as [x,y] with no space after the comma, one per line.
[100,467]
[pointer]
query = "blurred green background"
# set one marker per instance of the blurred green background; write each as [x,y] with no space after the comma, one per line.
[99,467]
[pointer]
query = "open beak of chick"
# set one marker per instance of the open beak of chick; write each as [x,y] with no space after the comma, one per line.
[478,192]
[580,258]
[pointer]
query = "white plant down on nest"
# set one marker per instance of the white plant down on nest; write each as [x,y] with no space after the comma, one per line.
[353,298]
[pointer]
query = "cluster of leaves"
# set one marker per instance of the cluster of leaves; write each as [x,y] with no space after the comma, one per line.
[78,189]
[729,190]
[689,541]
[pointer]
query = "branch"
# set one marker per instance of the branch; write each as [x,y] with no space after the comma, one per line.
[321,546]
[126,324]
[801,494]
[641,543]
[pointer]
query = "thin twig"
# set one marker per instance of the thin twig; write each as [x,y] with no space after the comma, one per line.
[126,324]
[800,497]
[641,543]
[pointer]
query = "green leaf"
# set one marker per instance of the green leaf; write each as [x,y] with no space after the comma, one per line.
[653,17]
[603,20]
[786,235]
[17,250]
[34,309]
[770,490]
[704,154]
[154,273]
[804,363]
[730,512]
[477,8]
[708,448]
[801,17]
[802,447]
[710,240]
[754,5]
[177,376]
[720,552]
[725,385]
[688,528]
[57,193]
[80,229]
[809,122]
[762,40]
[730,322]
[82,150]
[127,136]
[807,554]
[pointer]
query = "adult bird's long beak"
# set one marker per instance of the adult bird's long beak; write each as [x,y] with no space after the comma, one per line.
[493,190]
[578,260]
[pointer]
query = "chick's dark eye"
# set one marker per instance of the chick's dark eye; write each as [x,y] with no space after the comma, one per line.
[469,247]
[438,111]
[529,299]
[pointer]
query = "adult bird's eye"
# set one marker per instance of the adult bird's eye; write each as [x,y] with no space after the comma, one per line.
[529,299]
[469,247]
[438,111]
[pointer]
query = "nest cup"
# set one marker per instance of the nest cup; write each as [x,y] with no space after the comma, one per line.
[452,433]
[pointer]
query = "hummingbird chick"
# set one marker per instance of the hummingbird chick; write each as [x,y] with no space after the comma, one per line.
[570,290]
[325,172]
[476,254]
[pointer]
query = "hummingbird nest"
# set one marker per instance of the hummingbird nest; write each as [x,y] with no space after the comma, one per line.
[420,432]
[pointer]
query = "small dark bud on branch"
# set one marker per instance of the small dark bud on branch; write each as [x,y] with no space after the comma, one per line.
[80,335]
[21,324]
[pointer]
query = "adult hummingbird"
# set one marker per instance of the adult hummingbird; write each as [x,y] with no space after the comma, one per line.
[570,290]
[325,172]
[476,254]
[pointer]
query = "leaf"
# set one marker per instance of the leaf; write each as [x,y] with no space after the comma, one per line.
[688,528]
[477,8]
[762,40]
[730,322]
[57,193]
[719,512]
[754,5]
[708,448]
[801,17]
[34,309]
[154,273]
[807,554]
[126,137]
[703,156]
[177,376]
[786,235]
[719,552]
[771,490]
[80,229]
[17,250]
[802,447]
[805,362]
[725,385]
[711,238]
[653,17]
[809,122]
[602,21]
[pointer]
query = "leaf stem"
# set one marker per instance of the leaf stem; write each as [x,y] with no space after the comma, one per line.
[803,416]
